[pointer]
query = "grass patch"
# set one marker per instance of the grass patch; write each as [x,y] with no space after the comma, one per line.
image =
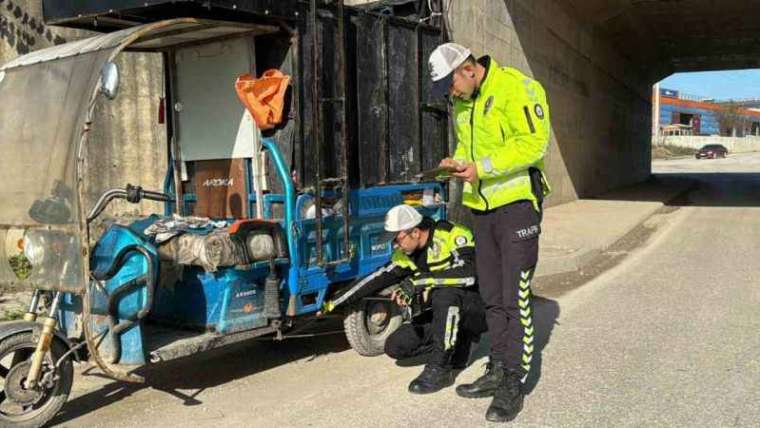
[669,151]
[12,314]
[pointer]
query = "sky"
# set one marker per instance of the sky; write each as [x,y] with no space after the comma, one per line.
[734,84]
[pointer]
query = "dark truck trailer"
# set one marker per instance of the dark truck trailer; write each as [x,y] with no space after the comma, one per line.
[394,127]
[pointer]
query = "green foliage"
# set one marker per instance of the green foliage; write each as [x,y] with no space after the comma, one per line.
[21,266]
[12,314]
[731,116]
[670,151]
[680,151]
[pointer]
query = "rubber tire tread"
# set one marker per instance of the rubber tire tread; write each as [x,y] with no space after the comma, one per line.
[62,388]
[358,336]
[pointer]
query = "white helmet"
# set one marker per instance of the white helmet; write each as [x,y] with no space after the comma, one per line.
[399,218]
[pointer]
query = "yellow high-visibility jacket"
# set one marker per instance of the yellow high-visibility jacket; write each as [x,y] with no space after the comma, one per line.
[505,130]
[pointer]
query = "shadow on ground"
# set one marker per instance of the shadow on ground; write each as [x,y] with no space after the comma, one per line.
[702,189]
[545,315]
[207,370]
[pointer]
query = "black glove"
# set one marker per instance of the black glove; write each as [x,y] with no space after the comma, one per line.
[406,291]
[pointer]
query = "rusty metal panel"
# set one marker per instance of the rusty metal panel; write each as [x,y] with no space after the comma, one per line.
[434,124]
[403,104]
[372,99]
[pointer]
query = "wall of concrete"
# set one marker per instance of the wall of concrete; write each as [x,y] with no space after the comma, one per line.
[600,107]
[127,145]
[22,29]
[734,145]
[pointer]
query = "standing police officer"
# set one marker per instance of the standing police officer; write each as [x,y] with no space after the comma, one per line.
[501,120]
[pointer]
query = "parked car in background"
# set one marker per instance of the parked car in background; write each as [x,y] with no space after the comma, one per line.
[711,151]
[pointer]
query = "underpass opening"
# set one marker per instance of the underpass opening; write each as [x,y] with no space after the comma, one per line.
[598,61]
[711,139]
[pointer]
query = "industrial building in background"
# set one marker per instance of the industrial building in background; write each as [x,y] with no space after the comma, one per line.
[688,115]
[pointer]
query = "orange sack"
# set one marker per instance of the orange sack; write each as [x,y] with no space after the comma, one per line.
[264,97]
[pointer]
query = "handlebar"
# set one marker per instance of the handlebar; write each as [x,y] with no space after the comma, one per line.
[133,194]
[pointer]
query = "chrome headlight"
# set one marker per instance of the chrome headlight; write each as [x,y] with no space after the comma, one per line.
[260,246]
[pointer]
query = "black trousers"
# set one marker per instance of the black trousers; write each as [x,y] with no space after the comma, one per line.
[456,316]
[506,253]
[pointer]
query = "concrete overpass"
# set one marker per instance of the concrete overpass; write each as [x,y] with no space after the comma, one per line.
[597,59]
[679,35]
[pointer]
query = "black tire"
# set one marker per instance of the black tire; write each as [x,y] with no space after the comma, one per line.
[365,334]
[52,399]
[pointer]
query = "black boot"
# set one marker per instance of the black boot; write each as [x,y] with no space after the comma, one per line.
[432,379]
[486,385]
[508,399]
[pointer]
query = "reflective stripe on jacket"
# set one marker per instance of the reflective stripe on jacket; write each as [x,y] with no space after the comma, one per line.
[449,256]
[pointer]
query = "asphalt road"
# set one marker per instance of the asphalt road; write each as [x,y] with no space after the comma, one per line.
[734,163]
[668,337]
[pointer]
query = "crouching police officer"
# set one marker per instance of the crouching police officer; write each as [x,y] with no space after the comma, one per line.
[434,262]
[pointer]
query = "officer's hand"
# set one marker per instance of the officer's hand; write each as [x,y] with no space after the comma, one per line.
[448,163]
[467,172]
[397,299]
[404,294]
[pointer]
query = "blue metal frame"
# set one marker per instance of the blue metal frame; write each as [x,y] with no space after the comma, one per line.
[169,207]
[367,208]
[287,182]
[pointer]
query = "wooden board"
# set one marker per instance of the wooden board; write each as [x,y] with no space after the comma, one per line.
[220,188]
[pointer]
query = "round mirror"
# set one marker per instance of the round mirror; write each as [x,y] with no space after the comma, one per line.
[109,80]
